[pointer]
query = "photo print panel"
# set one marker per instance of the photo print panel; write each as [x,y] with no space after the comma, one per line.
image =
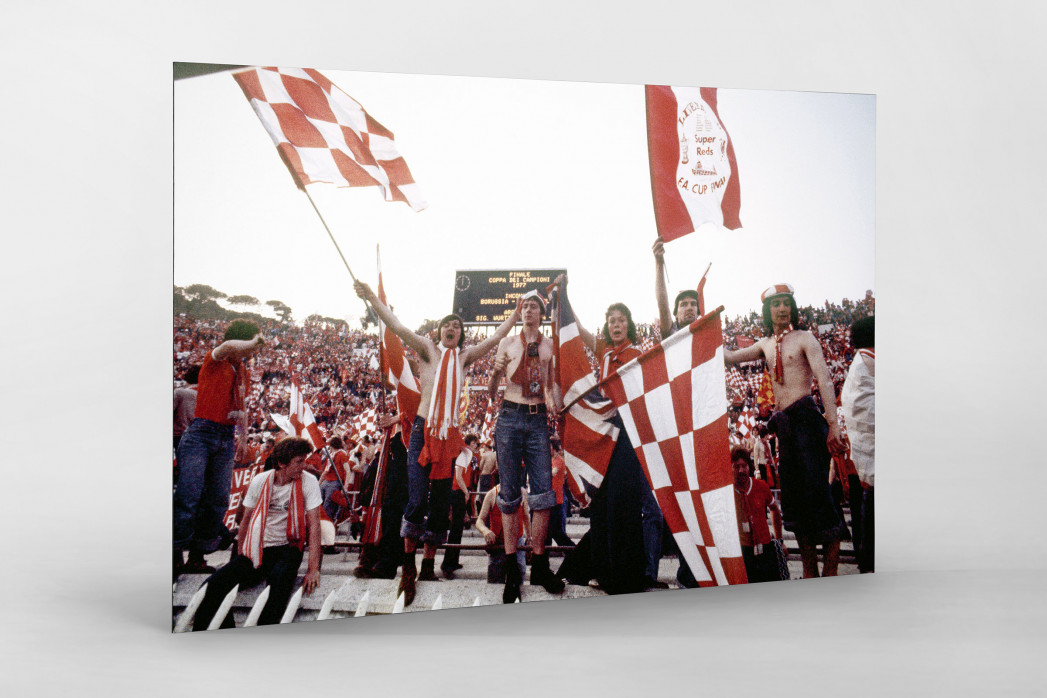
[445,342]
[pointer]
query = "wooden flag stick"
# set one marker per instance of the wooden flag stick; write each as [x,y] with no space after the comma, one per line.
[335,242]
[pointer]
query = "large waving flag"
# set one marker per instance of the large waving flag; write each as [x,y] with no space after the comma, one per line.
[397,371]
[694,176]
[588,438]
[324,135]
[300,421]
[672,400]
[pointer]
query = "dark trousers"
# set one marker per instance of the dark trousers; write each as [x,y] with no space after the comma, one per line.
[866,551]
[279,570]
[450,562]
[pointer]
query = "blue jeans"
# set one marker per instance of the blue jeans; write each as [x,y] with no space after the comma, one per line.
[205,472]
[428,503]
[521,440]
[328,488]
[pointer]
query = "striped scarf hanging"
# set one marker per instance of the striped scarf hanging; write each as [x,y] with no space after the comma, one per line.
[255,537]
[443,412]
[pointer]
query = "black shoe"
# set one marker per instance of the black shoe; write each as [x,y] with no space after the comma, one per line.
[541,575]
[448,574]
[428,571]
[649,583]
[511,592]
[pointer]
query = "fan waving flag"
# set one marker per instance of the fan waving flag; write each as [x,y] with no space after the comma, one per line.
[694,176]
[673,403]
[324,135]
[300,421]
[588,438]
[398,372]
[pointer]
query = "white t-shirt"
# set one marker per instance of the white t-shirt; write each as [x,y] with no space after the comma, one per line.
[858,407]
[279,499]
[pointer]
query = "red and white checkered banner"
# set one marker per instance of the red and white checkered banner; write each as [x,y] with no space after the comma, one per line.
[672,400]
[366,424]
[324,135]
[694,176]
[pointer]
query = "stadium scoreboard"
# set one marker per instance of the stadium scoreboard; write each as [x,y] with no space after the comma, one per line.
[488,297]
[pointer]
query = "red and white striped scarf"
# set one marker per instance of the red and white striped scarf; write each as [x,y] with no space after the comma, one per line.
[255,537]
[443,412]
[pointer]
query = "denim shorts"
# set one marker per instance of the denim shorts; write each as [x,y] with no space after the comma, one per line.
[521,440]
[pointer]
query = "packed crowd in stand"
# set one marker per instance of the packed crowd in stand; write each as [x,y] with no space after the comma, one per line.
[337,368]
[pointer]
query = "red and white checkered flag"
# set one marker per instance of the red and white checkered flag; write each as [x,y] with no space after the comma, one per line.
[673,403]
[324,135]
[366,424]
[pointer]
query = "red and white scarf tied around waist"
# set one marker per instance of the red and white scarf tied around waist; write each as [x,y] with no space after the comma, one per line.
[443,407]
[255,537]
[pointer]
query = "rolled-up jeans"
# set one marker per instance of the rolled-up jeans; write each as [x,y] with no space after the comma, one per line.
[201,497]
[522,439]
[428,503]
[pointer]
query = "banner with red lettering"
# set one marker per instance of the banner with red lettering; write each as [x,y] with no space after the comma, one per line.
[241,479]
[694,175]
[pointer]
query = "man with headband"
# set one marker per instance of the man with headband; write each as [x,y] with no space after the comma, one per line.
[521,440]
[435,439]
[805,434]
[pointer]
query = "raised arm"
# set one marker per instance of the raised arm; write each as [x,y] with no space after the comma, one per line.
[738,356]
[820,370]
[237,348]
[471,354]
[665,319]
[585,335]
[417,342]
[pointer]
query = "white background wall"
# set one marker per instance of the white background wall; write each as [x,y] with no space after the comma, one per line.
[955,604]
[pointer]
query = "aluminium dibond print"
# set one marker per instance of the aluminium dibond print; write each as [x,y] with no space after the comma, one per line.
[444,342]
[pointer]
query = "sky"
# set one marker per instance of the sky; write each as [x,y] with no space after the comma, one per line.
[523,174]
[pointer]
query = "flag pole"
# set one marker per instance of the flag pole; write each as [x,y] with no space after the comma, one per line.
[333,241]
[381,347]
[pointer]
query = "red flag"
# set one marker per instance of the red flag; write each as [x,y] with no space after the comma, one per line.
[300,421]
[398,371]
[324,135]
[672,401]
[487,430]
[744,341]
[588,438]
[694,176]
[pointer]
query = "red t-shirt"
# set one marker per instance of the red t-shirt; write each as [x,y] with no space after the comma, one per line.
[340,459]
[214,391]
[753,505]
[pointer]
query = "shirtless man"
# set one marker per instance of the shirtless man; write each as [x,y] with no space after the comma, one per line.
[521,440]
[488,467]
[805,435]
[435,440]
[686,308]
